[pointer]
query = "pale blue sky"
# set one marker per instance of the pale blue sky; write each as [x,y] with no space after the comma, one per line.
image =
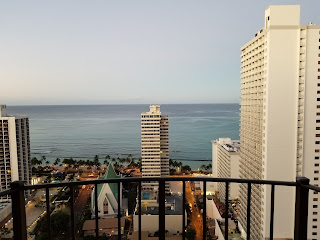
[106,52]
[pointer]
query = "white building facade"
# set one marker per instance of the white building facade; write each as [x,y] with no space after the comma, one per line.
[154,145]
[225,164]
[108,196]
[15,159]
[280,119]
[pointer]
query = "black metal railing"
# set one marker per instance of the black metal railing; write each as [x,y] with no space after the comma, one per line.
[301,185]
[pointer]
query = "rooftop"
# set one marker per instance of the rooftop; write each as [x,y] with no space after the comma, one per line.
[228,144]
[173,206]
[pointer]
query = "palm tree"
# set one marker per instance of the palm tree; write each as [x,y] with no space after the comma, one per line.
[57,161]
[209,166]
[34,161]
[203,167]
[43,159]
[96,161]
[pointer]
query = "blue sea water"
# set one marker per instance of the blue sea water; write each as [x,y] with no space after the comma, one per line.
[84,131]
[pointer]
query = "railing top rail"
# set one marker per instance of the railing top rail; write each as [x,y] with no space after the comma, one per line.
[173,179]
[312,187]
[6,192]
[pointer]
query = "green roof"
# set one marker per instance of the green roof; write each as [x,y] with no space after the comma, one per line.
[109,174]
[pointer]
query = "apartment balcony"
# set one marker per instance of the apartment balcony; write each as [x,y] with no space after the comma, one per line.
[301,186]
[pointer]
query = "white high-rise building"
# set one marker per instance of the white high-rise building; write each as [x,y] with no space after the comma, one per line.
[14,149]
[280,119]
[225,164]
[154,145]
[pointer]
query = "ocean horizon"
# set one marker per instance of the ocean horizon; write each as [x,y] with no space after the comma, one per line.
[83,131]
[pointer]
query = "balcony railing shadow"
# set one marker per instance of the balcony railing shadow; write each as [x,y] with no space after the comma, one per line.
[301,186]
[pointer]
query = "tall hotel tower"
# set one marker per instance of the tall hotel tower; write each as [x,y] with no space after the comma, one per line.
[154,145]
[14,149]
[280,119]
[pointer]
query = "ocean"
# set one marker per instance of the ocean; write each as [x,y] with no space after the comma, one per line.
[84,131]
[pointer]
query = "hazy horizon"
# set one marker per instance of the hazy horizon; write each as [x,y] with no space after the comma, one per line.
[124,104]
[125,52]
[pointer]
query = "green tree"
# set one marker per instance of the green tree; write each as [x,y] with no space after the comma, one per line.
[186,168]
[60,227]
[43,160]
[57,161]
[34,161]
[96,161]
[191,233]
[203,167]
[209,166]
[106,160]
[170,163]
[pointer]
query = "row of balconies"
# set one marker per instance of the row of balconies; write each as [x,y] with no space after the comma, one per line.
[252,65]
[255,59]
[253,51]
[253,72]
[252,79]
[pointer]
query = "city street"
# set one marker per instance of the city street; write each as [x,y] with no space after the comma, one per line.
[196,219]
[81,201]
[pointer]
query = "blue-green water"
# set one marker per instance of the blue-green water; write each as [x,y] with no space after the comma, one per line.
[84,131]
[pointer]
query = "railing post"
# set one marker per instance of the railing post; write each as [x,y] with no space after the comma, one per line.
[301,209]
[183,209]
[119,210]
[204,211]
[140,209]
[18,210]
[162,210]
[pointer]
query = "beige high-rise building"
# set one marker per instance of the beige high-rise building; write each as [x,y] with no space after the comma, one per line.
[280,119]
[14,149]
[154,145]
[225,164]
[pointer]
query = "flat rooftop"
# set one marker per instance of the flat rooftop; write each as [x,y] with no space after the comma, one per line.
[173,206]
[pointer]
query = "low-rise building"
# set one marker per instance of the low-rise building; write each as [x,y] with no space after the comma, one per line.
[150,215]
[107,226]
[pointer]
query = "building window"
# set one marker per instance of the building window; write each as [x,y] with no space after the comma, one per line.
[317,135]
[317,158]
[316,171]
[316,164]
[317,128]
[315,199]
[317,142]
[316,150]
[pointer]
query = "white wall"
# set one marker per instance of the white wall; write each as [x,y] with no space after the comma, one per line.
[280,118]
[212,210]
[150,223]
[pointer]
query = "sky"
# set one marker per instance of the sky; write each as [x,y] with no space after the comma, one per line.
[128,52]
